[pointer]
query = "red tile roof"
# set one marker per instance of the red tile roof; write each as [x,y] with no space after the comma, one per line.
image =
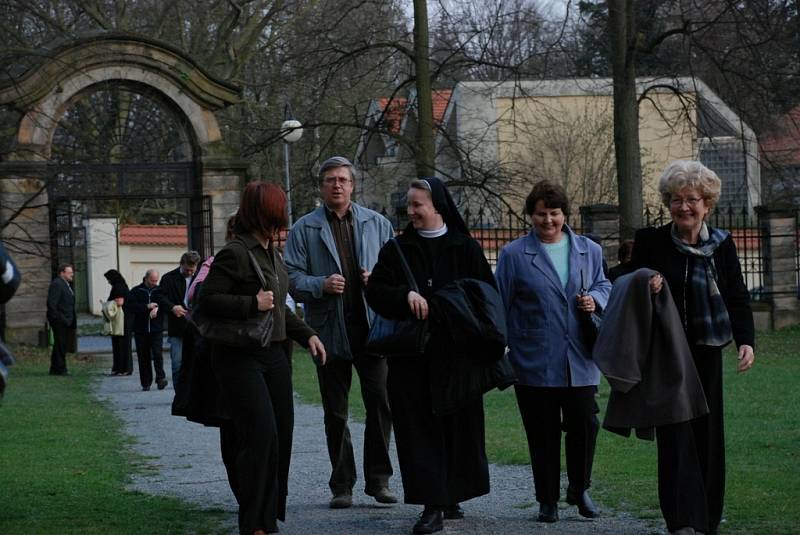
[781,145]
[153,235]
[393,116]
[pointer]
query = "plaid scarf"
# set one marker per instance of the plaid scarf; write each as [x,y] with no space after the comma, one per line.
[710,321]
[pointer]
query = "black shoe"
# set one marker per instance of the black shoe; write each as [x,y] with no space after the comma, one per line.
[162,384]
[453,512]
[62,374]
[382,495]
[548,512]
[430,521]
[586,507]
[145,388]
[341,501]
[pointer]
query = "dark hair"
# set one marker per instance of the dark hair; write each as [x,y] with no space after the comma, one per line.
[113,276]
[230,227]
[553,196]
[625,251]
[63,267]
[262,209]
[190,258]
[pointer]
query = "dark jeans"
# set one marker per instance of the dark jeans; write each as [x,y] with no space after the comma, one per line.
[257,445]
[542,409]
[691,457]
[149,353]
[58,357]
[334,385]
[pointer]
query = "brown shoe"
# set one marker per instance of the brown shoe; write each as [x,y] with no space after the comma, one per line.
[382,495]
[162,384]
[341,501]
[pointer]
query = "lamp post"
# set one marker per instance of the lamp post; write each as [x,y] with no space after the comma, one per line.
[291,131]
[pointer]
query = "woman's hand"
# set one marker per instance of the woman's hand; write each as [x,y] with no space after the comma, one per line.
[656,282]
[746,358]
[265,299]
[317,350]
[418,305]
[585,303]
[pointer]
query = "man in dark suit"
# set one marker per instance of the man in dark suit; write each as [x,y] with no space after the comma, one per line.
[174,285]
[62,317]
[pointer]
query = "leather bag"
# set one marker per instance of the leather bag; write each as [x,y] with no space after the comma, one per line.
[589,323]
[391,338]
[254,332]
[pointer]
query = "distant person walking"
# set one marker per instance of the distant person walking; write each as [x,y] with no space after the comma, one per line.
[175,286]
[62,318]
[122,361]
[148,329]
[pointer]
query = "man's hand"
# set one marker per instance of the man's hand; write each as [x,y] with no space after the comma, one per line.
[418,305]
[317,350]
[153,310]
[179,311]
[334,284]
[365,276]
[265,299]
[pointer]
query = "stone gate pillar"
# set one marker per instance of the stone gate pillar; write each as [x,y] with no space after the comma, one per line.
[603,220]
[779,249]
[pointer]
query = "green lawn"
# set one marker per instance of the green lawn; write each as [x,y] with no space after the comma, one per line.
[64,462]
[762,433]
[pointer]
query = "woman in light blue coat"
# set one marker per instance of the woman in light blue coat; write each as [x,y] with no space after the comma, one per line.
[547,279]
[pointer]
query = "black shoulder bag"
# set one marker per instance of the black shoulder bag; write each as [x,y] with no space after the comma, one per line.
[252,333]
[390,338]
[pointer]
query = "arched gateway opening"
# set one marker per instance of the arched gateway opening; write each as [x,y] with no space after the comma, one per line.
[116,127]
[122,151]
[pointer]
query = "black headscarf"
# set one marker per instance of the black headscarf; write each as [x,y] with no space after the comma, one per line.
[444,204]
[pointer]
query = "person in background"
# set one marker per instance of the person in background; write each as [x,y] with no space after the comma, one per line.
[122,360]
[62,317]
[10,278]
[175,285]
[329,254]
[624,255]
[148,329]
[546,280]
[701,266]
[436,398]
[256,383]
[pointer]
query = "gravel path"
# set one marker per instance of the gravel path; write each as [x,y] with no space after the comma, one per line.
[185,463]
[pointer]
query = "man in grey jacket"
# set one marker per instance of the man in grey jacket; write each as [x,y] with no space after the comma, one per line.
[329,254]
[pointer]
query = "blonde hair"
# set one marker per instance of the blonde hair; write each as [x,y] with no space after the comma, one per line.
[690,174]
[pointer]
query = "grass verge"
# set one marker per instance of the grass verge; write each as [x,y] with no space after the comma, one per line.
[65,463]
[762,436]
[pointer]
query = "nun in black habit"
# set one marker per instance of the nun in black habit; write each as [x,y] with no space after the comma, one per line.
[440,439]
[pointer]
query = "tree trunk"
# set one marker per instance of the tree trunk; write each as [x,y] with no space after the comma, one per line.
[425,152]
[626,116]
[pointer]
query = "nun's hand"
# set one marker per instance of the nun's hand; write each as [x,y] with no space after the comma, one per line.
[656,282]
[418,305]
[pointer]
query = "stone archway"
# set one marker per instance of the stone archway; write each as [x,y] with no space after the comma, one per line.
[29,177]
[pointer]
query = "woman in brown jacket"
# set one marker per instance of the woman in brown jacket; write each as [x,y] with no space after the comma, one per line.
[256,383]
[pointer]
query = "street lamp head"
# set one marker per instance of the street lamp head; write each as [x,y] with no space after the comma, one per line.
[291,130]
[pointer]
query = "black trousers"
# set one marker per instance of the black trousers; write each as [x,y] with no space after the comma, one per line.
[691,456]
[545,412]
[256,446]
[149,354]
[58,357]
[334,385]
[122,361]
